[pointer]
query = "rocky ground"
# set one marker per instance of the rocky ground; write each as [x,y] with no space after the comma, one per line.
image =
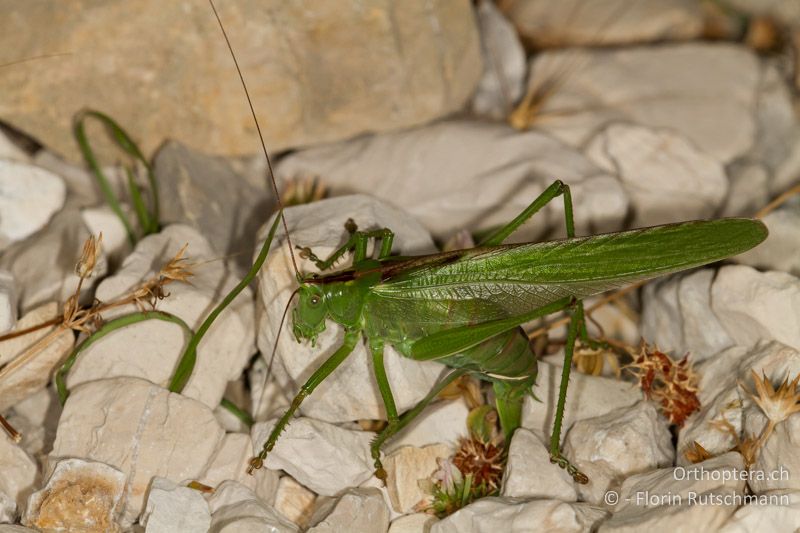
[438,120]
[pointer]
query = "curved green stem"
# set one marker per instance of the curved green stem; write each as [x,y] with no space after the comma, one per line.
[238,412]
[190,354]
[105,329]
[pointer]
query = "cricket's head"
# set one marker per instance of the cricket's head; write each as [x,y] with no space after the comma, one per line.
[308,317]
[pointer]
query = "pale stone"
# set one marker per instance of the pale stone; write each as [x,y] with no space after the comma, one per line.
[444,421]
[315,76]
[777,460]
[294,501]
[31,359]
[749,189]
[205,193]
[666,177]
[230,462]
[29,196]
[405,467]
[172,508]
[36,417]
[587,397]
[771,511]
[7,528]
[461,174]
[8,301]
[79,496]
[9,149]
[151,349]
[235,509]
[115,238]
[20,472]
[703,92]
[323,457]
[490,515]
[530,474]
[360,509]
[44,266]
[141,429]
[753,305]
[412,523]
[723,398]
[504,65]
[604,22]
[778,251]
[610,447]
[350,392]
[670,498]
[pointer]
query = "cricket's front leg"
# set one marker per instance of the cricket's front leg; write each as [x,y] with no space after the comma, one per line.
[319,375]
[576,324]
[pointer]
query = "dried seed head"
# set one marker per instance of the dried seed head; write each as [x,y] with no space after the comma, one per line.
[695,453]
[303,190]
[178,268]
[776,404]
[89,255]
[673,384]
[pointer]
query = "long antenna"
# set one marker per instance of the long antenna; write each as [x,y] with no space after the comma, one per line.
[260,136]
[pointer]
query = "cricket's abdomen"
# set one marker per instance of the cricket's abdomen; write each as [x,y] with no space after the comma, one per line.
[506,357]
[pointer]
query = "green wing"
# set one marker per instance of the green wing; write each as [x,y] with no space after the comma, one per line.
[512,280]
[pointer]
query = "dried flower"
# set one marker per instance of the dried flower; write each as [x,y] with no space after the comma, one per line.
[178,268]
[673,384]
[466,387]
[89,255]
[777,405]
[695,453]
[591,361]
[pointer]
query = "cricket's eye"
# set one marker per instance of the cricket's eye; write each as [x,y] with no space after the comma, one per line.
[314,301]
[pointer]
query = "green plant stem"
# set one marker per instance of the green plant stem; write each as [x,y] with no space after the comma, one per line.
[190,354]
[105,329]
[238,412]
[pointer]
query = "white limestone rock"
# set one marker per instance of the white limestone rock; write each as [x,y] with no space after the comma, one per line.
[703,495]
[607,448]
[151,349]
[587,397]
[235,509]
[490,515]
[323,457]
[778,251]
[703,92]
[31,359]
[20,473]
[591,22]
[359,509]
[413,523]
[462,174]
[777,466]
[666,177]
[79,496]
[351,392]
[315,76]
[172,508]
[294,501]
[29,196]
[702,314]
[115,239]
[44,266]
[771,511]
[8,301]
[405,467]
[230,462]
[141,429]
[530,474]
[443,421]
[206,193]
[723,398]
[504,65]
